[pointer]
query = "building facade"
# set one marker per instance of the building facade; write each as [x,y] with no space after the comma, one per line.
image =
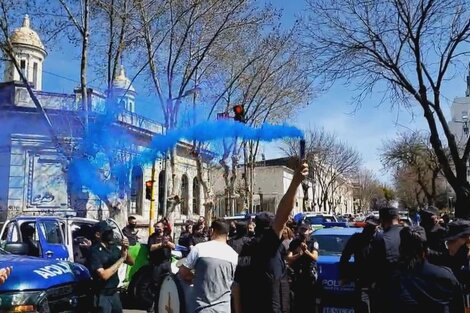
[34,179]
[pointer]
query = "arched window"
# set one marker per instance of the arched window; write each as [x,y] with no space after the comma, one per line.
[184,194]
[196,196]
[137,183]
[161,191]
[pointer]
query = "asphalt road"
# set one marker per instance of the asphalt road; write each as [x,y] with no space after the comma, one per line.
[134,311]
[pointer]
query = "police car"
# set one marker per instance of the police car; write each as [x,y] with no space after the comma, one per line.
[41,285]
[333,297]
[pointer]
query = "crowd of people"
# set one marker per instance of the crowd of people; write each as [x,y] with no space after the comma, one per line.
[409,269]
[267,263]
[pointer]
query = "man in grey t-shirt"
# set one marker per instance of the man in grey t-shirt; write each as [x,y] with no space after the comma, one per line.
[214,264]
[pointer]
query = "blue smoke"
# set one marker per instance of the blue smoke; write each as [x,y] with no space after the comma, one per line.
[96,166]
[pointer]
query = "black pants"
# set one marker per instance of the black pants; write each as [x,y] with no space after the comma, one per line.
[304,295]
[108,304]
[159,272]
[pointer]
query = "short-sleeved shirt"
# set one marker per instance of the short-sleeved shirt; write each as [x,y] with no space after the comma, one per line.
[304,266]
[104,257]
[261,267]
[161,255]
[131,234]
[214,263]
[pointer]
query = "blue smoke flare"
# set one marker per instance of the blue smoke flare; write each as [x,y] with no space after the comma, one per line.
[104,139]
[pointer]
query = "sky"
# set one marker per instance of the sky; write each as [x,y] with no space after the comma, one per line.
[364,128]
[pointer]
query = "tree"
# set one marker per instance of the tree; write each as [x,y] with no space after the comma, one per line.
[367,188]
[410,47]
[330,160]
[412,157]
[264,74]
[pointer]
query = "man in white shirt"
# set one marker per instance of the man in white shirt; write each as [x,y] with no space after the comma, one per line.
[214,263]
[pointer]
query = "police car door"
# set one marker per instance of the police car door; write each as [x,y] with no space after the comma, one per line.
[51,238]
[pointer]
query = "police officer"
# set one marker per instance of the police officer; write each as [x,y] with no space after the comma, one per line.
[457,241]
[105,260]
[302,258]
[435,234]
[359,246]
[240,238]
[261,283]
[384,255]
[418,285]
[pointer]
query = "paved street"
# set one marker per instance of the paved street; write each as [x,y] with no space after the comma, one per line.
[134,311]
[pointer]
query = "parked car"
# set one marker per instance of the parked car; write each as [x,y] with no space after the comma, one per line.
[318,221]
[43,285]
[333,296]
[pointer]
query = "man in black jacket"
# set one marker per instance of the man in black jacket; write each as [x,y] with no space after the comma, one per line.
[359,246]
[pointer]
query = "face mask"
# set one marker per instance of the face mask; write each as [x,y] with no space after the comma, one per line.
[251,234]
[158,231]
[108,237]
[132,226]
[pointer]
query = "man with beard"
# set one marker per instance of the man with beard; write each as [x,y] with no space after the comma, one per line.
[435,234]
[105,260]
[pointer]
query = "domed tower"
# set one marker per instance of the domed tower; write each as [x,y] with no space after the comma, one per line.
[123,91]
[29,53]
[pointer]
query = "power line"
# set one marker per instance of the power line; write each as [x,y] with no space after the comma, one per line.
[69,79]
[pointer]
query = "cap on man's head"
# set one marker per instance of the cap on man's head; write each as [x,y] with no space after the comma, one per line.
[102,226]
[372,220]
[457,229]
[264,220]
[430,211]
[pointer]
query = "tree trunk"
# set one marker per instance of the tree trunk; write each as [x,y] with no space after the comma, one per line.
[83,63]
[462,201]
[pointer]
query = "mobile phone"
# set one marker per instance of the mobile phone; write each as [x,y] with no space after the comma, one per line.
[302,149]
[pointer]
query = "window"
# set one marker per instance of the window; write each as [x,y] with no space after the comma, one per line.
[331,244]
[52,232]
[136,190]
[23,66]
[196,196]
[11,233]
[35,75]
[184,194]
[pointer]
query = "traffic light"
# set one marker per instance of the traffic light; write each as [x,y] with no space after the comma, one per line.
[148,189]
[239,111]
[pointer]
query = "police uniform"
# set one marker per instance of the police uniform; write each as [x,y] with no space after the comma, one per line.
[359,246]
[304,275]
[435,234]
[419,286]
[460,262]
[384,257]
[106,294]
[261,271]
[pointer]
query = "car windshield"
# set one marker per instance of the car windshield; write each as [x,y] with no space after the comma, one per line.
[319,219]
[331,244]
